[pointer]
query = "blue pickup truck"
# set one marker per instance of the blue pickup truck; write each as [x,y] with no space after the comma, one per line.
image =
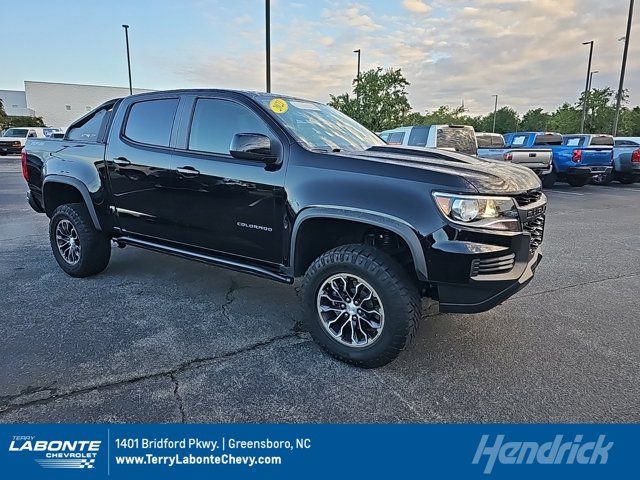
[626,159]
[576,158]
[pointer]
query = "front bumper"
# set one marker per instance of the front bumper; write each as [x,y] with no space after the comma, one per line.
[10,149]
[473,271]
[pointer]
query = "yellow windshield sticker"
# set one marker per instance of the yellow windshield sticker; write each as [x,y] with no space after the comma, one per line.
[278,105]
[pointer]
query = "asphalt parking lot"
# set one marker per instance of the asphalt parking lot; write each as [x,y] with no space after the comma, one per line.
[160,339]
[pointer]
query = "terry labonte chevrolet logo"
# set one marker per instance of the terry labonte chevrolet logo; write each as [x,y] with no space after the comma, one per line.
[57,453]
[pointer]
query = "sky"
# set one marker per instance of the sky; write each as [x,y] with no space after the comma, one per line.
[529,52]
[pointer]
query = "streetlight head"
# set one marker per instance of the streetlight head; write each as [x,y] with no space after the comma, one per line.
[356,51]
[595,71]
[125,26]
[587,43]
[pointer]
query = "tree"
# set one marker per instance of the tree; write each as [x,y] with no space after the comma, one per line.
[566,119]
[535,120]
[380,99]
[3,115]
[18,121]
[507,120]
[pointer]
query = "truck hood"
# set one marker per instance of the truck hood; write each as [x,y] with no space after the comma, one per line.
[486,176]
[13,139]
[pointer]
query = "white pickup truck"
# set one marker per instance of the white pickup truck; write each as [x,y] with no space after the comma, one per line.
[13,139]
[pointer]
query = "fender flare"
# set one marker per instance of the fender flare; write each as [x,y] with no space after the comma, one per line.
[78,185]
[393,224]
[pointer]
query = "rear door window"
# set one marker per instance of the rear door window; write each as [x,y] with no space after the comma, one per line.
[151,121]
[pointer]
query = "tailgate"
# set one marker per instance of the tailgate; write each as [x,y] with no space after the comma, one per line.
[533,158]
[596,156]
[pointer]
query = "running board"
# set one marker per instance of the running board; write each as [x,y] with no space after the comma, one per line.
[208,259]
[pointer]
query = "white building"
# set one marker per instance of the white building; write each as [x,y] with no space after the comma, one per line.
[15,103]
[59,104]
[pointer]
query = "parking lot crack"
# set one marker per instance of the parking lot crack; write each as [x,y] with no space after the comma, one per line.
[176,394]
[576,285]
[43,395]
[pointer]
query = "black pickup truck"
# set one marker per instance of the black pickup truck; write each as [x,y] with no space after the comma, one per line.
[281,188]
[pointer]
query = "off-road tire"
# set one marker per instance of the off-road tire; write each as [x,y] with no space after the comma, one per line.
[578,182]
[398,294]
[95,247]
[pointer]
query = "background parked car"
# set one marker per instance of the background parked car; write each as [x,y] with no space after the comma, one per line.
[13,139]
[596,148]
[492,146]
[626,159]
[458,138]
[573,162]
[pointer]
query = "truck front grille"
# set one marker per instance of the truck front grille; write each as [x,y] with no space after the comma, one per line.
[535,227]
[528,197]
[488,266]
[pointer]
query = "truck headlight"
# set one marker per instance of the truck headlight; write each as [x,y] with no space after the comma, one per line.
[494,213]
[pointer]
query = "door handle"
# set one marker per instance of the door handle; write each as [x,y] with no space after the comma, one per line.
[187,171]
[121,161]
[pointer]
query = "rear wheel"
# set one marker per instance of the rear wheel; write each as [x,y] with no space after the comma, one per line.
[627,179]
[578,181]
[360,305]
[77,246]
[603,179]
[549,180]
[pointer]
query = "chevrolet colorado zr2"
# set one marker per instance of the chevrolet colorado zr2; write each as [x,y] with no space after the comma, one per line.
[281,188]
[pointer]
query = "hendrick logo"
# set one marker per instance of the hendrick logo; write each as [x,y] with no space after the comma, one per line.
[554,452]
[58,453]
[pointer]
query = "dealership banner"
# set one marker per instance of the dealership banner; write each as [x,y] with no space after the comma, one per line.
[231,451]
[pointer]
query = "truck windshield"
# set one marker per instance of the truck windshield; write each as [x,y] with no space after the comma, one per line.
[460,139]
[318,126]
[16,132]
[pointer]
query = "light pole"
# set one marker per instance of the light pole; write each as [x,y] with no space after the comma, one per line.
[591,80]
[586,87]
[624,65]
[126,36]
[588,94]
[267,16]
[495,113]
[358,52]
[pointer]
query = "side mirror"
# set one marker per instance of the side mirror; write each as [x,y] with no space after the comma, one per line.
[253,146]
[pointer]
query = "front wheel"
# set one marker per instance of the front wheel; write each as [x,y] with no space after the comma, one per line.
[360,305]
[77,246]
